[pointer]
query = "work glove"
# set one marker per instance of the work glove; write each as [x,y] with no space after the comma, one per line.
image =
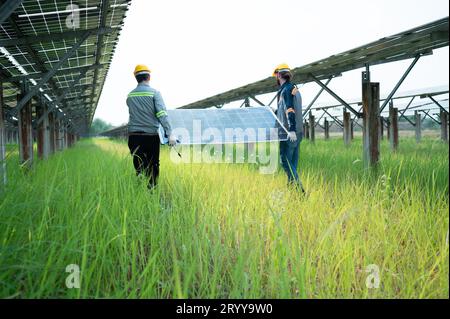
[292,136]
[172,140]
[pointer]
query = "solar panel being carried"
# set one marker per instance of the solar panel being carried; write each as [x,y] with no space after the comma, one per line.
[225,126]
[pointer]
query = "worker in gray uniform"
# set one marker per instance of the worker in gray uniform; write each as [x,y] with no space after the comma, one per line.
[147,111]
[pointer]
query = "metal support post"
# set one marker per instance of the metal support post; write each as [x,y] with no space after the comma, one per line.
[312,127]
[371,116]
[444,126]
[418,126]
[3,142]
[327,129]
[393,118]
[347,128]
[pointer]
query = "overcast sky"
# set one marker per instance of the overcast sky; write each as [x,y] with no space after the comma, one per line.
[199,48]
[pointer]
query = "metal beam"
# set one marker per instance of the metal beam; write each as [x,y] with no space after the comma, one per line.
[29,95]
[76,98]
[80,88]
[335,119]
[104,13]
[400,82]
[438,104]
[355,119]
[60,71]
[82,105]
[402,114]
[273,100]
[2,139]
[431,117]
[305,112]
[33,54]
[323,114]
[337,97]
[7,9]
[60,116]
[68,35]
[256,100]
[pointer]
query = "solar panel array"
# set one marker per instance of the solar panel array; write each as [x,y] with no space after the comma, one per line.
[405,45]
[39,33]
[422,40]
[334,111]
[225,126]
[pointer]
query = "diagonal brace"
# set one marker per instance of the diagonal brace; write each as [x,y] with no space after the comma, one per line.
[305,112]
[427,113]
[8,8]
[400,82]
[438,104]
[402,114]
[323,114]
[337,97]
[59,98]
[336,120]
[256,100]
[49,75]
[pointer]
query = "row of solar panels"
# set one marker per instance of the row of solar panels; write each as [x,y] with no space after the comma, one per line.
[409,44]
[40,34]
[192,123]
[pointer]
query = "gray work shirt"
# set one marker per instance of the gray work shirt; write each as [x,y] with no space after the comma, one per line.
[147,111]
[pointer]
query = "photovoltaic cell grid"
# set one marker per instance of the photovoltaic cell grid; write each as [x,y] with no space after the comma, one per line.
[402,46]
[225,126]
[36,37]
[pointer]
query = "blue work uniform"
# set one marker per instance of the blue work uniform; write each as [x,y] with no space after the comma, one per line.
[289,113]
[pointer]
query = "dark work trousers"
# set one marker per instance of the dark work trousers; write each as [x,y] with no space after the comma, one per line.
[145,152]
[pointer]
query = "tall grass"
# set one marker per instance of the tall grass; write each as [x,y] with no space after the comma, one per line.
[225,231]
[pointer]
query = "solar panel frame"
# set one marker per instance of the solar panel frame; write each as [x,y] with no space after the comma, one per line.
[409,44]
[39,37]
[225,121]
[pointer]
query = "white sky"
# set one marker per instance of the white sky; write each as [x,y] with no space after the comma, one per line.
[199,48]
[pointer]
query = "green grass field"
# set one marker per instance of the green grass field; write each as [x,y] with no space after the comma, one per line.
[226,231]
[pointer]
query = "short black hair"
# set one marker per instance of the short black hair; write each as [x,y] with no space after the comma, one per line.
[287,76]
[142,77]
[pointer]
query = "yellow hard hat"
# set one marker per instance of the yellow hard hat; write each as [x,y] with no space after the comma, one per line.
[281,68]
[141,69]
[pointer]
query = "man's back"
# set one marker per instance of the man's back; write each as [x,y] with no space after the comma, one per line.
[143,103]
